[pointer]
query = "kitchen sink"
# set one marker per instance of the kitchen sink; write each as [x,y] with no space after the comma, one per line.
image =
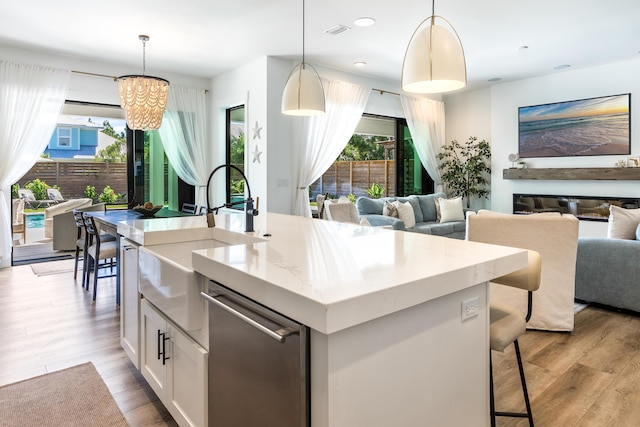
[168,281]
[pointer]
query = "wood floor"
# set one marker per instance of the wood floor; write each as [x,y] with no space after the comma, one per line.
[49,323]
[590,377]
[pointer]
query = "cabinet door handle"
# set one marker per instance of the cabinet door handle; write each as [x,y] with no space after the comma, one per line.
[162,346]
[159,344]
[165,338]
[128,247]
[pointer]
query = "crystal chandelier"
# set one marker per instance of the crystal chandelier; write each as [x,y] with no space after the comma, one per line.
[144,98]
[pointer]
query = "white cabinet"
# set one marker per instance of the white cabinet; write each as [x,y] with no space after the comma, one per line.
[175,366]
[129,301]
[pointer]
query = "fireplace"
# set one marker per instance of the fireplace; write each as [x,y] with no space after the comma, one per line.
[587,208]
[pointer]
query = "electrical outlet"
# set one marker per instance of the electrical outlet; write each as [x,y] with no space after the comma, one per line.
[470,308]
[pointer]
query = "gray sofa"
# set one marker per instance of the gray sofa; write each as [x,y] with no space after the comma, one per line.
[424,209]
[607,272]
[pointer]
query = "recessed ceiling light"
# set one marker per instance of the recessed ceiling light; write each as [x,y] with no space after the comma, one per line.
[364,22]
[359,63]
[562,67]
[495,79]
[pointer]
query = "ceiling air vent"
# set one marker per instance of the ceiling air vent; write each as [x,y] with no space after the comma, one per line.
[334,31]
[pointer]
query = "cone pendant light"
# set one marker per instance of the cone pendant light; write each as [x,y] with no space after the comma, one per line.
[434,60]
[303,94]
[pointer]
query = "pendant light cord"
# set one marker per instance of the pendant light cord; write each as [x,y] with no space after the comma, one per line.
[303,31]
[144,55]
[433,13]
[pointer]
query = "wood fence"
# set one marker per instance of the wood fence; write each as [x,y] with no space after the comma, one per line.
[343,178]
[73,176]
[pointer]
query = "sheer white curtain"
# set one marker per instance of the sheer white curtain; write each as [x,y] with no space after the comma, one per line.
[31,98]
[324,137]
[184,137]
[425,118]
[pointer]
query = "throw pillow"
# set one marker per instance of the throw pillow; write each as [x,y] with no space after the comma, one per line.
[451,209]
[390,209]
[405,213]
[623,223]
[415,204]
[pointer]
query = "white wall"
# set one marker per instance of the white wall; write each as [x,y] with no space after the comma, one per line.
[467,115]
[503,100]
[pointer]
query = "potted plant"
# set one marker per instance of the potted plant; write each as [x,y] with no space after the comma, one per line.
[465,168]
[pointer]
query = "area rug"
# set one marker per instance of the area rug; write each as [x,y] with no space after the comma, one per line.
[54,267]
[71,397]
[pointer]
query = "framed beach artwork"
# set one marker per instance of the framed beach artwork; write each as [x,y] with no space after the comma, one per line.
[586,127]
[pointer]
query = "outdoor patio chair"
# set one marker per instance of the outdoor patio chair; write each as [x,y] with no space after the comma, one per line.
[30,199]
[55,195]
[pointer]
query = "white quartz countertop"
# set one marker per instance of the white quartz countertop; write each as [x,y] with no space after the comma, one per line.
[331,276]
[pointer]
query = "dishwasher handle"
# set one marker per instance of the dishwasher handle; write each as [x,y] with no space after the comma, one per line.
[280,335]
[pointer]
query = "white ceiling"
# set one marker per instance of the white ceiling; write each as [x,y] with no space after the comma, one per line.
[205,38]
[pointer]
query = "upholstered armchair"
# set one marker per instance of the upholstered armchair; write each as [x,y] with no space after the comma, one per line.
[555,237]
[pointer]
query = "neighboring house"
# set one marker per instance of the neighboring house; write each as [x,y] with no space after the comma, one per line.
[74,138]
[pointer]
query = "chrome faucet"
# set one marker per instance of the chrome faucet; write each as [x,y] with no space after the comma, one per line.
[249,210]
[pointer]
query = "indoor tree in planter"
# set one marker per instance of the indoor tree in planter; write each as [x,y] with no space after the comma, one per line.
[465,168]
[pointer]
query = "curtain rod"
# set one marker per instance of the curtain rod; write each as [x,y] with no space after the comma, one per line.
[382,91]
[114,78]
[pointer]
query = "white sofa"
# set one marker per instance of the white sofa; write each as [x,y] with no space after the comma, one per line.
[555,237]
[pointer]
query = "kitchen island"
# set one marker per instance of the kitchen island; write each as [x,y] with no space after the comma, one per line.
[390,343]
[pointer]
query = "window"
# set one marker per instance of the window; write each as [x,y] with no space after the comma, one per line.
[64,137]
[379,154]
[236,142]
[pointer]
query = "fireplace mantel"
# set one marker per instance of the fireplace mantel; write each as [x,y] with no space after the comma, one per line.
[572,173]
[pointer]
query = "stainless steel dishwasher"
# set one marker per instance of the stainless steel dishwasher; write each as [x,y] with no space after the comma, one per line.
[258,364]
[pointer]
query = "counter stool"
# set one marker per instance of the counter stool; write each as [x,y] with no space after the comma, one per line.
[99,247]
[507,324]
[81,245]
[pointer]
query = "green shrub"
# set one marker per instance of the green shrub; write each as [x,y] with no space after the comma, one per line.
[351,197]
[90,192]
[375,191]
[38,188]
[14,191]
[108,195]
[237,186]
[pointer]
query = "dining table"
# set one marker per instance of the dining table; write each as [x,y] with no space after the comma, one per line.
[107,222]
